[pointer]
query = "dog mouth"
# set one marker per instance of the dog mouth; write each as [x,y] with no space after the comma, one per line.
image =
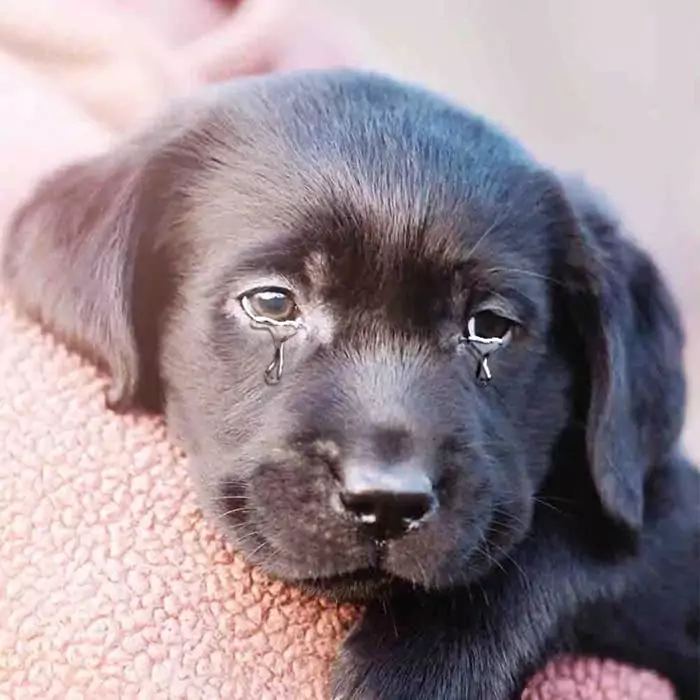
[333,557]
[345,563]
[372,573]
[357,586]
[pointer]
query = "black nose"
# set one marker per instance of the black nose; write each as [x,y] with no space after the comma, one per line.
[388,502]
[388,515]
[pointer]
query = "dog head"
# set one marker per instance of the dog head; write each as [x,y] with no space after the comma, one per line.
[377,324]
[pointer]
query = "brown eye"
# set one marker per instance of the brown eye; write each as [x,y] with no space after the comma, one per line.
[487,325]
[276,305]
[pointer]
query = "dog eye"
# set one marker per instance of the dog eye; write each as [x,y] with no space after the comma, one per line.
[488,325]
[487,331]
[276,305]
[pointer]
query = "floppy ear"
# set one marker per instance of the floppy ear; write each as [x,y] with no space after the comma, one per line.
[633,341]
[78,257]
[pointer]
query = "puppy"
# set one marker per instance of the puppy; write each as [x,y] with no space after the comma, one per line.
[410,365]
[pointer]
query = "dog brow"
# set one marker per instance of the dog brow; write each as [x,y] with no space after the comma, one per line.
[317,269]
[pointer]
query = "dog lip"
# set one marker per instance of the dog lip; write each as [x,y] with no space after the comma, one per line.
[375,571]
[368,574]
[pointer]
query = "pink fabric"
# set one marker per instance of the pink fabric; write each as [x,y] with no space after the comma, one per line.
[112,585]
[591,679]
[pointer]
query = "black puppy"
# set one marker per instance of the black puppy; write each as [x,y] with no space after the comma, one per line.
[409,363]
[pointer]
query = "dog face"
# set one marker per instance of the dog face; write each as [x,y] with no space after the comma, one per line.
[378,326]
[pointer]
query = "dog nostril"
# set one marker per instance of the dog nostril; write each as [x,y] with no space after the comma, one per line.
[361,506]
[390,514]
[418,509]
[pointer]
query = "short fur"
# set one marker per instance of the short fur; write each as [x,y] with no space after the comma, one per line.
[567,518]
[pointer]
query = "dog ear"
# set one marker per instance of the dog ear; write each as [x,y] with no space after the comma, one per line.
[79,257]
[633,341]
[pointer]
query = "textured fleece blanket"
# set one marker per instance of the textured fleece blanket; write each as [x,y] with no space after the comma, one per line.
[112,585]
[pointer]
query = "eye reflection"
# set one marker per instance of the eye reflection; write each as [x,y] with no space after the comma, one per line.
[271,305]
[489,325]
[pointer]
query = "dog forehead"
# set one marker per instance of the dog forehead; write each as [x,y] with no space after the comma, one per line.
[279,142]
[354,175]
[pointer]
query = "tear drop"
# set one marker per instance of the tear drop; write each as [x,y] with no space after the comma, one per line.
[273,373]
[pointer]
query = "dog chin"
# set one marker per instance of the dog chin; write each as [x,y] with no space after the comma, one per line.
[358,586]
[366,581]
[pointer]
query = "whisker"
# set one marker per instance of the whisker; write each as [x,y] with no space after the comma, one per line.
[508,557]
[512,517]
[234,511]
[479,548]
[482,548]
[258,548]
[547,504]
[560,499]
[529,273]
[228,498]
[484,443]
[423,573]
[484,595]
[494,226]
[386,607]
[239,541]
[501,529]
[229,479]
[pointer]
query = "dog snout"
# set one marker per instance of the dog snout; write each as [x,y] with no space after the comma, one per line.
[387,500]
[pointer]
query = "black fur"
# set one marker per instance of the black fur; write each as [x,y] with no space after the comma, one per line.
[567,517]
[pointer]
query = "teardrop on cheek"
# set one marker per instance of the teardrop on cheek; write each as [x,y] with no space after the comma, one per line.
[482,348]
[280,333]
[273,373]
[483,371]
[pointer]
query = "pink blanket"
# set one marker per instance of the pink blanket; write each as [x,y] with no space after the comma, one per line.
[111,583]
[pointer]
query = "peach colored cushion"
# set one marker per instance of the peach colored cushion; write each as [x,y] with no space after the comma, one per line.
[112,584]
